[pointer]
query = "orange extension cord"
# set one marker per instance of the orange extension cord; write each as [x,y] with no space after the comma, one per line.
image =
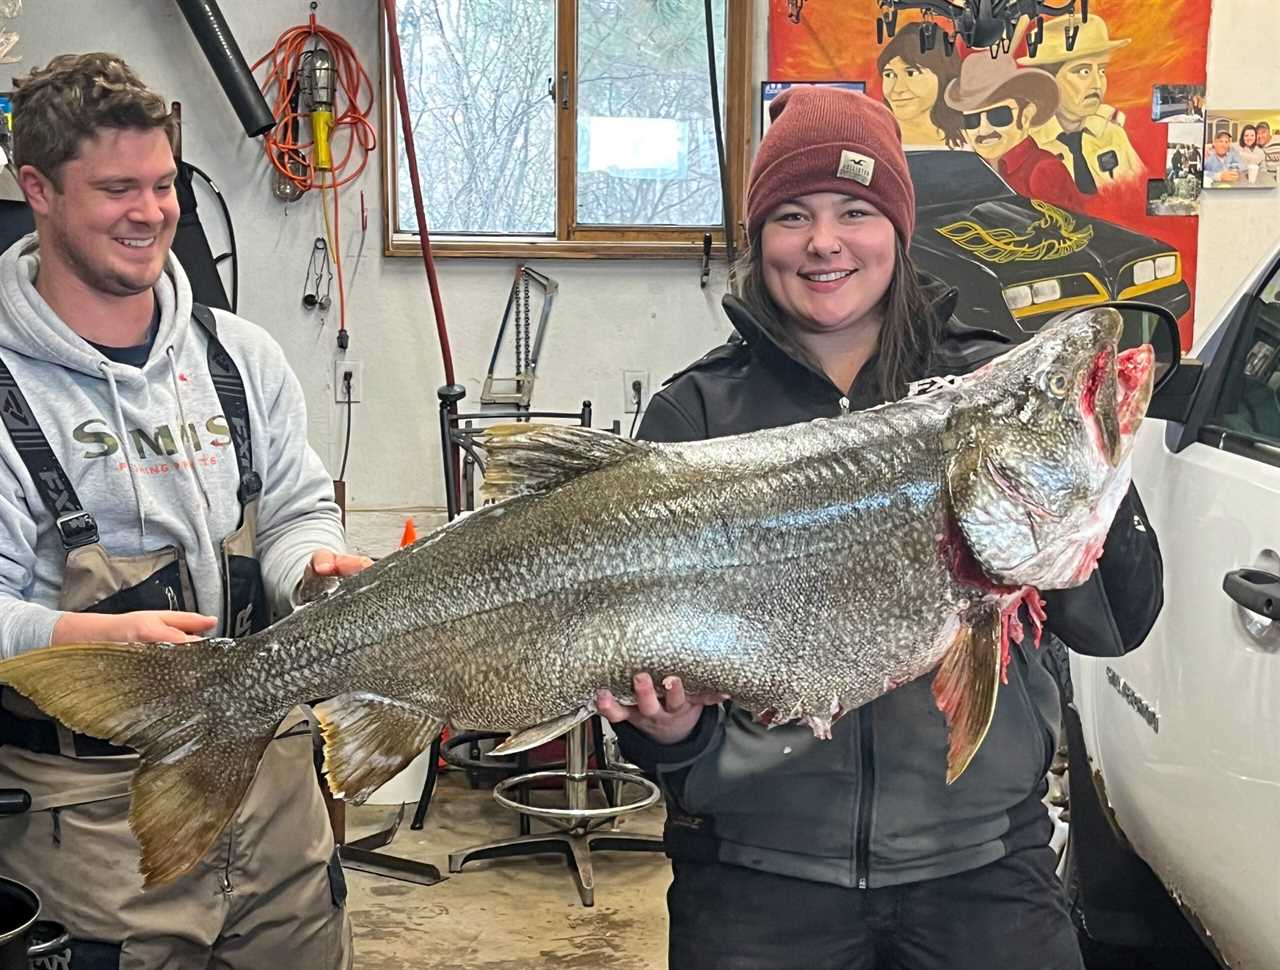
[295,159]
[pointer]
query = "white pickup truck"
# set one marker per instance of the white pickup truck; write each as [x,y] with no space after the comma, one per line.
[1183,735]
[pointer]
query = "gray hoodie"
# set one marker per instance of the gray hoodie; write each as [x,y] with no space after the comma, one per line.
[149,453]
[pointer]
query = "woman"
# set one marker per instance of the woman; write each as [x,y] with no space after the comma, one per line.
[853,853]
[1251,153]
[912,84]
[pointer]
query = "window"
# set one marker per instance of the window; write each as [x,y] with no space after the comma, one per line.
[1247,413]
[567,127]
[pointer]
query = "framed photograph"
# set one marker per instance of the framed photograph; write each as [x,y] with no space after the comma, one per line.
[1242,149]
[1174,103]
[771,89]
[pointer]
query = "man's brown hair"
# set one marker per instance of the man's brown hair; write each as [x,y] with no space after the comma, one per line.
[56,107]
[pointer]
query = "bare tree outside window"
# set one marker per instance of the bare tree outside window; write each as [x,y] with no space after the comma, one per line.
[480,74]
[484,123]
[646,140]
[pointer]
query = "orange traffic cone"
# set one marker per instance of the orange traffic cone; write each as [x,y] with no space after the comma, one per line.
[410,534]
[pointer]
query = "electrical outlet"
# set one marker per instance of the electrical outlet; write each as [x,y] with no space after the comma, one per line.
[340,368]
[629,377]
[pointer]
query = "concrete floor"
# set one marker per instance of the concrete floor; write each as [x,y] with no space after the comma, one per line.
[513,914]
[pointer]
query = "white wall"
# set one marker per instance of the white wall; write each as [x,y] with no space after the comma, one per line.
[1238,228]
[610,315]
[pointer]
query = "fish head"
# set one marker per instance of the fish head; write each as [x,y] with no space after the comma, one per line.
[1041,441]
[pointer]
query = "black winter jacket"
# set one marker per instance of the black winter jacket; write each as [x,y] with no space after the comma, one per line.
[870,807]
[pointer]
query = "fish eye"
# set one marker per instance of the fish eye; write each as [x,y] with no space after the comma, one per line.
[1058,384]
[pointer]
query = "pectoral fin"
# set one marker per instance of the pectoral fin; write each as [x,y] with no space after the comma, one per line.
[531,737]
[965,688]
[368,739]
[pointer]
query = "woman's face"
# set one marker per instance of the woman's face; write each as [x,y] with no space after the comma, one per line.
[827,260]
[1250,137]
[909,91]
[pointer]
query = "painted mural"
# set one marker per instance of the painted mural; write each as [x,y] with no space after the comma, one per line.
[1033,174]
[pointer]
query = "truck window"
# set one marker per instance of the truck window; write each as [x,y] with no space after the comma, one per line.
[1249,402]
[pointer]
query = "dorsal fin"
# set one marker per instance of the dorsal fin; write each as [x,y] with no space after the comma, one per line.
[527,458]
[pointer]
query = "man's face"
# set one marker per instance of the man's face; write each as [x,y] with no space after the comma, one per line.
[1222,145]
[995,129]
[1082,85]
[1264,134]
[113,220]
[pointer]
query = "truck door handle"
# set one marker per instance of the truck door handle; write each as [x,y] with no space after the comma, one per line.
[1257,590]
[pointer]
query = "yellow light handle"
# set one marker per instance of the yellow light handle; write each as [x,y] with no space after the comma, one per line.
[321,127]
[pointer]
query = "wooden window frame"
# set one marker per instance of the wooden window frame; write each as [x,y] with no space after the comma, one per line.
[590,242]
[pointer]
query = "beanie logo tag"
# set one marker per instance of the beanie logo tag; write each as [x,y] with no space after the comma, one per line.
[857,168]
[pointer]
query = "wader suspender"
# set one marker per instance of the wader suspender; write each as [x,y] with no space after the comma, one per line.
[76,526]
[235,405]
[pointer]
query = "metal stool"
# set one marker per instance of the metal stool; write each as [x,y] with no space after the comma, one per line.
[575,827]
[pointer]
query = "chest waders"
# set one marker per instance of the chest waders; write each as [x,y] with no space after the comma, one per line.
[95,581]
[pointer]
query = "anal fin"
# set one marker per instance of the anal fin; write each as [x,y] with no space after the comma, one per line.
[966,686]
[368,739]
[531,737]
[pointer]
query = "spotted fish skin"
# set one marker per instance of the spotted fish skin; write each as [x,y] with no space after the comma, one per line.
[804,571]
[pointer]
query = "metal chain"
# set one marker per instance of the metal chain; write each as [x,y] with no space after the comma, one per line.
[519,320]
[528,325]
[793,10]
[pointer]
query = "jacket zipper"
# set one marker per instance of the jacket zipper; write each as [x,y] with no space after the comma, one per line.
[844,406]
[866,792]
[227,887]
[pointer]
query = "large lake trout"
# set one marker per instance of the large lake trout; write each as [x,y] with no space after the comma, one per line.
[803,571]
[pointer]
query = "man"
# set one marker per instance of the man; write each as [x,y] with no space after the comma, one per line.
[1085,133]
[1223,164]
[1270,147]
[139,501]
[1000,104]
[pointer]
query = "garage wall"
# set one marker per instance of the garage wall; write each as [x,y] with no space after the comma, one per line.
[609,316]
[1237,229]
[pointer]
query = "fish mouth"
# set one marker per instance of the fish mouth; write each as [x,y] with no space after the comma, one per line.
[1116,393]
[1135,377]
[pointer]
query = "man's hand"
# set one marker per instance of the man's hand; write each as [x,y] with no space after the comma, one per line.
[140,626]
[320,578]
[669,720]
[326,563]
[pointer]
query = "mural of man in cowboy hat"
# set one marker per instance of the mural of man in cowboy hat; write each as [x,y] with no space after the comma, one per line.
[1086,133]
[1001,103]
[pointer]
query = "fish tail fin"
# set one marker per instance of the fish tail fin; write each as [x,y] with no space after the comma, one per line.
[368,739]
[196,764]
[966,687]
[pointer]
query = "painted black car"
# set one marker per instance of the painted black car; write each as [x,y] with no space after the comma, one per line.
[1020,261]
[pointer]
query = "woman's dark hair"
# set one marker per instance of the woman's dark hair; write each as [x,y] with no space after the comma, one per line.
[906,44]
[908,334]
[1252,128]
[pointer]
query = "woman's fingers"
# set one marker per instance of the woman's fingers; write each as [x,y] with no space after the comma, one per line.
[675,697]
[607,706]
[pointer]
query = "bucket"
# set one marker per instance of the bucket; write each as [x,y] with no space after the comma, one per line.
[404,787]
[26,942]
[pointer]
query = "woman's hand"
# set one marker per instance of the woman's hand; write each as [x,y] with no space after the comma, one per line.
[140,626]
[668,720]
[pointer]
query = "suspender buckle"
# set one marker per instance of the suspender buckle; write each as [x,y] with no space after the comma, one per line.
[77,529]
[250,488]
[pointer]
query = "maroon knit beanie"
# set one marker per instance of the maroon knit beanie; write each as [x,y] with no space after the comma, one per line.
[831,140]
